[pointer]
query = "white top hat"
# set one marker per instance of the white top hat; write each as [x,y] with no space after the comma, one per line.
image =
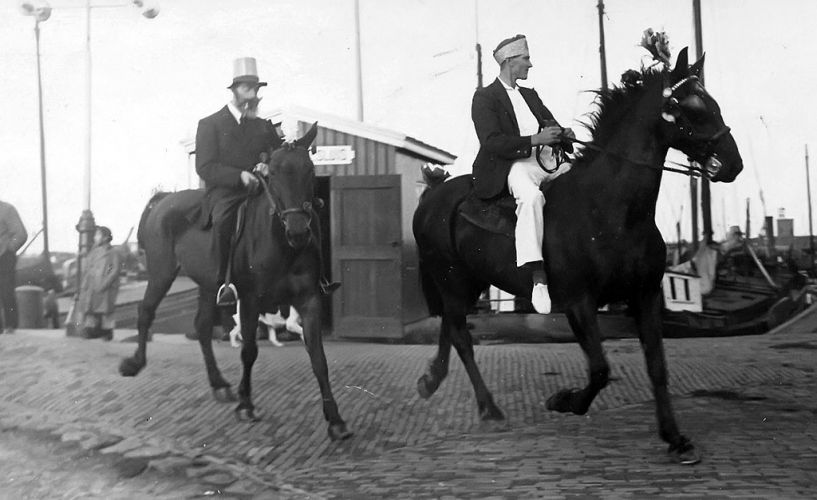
[245,71]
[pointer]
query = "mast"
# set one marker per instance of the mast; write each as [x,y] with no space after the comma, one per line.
[478,46]
[602,53]
[810,231]
[706,197]
[358,65]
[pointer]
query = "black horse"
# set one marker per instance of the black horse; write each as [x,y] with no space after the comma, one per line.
[276,260]
[601,243]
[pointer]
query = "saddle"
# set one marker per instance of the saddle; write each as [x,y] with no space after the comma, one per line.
[496,215]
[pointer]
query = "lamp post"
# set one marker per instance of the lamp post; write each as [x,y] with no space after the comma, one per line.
[40,12]
[87,225]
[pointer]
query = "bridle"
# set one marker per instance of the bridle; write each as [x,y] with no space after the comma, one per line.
[276,202]
[689,170]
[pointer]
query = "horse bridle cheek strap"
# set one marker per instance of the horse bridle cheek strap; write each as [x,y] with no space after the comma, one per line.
[274,200]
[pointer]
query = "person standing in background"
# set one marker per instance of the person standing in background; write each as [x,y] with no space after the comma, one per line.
[100,286]
[12,237]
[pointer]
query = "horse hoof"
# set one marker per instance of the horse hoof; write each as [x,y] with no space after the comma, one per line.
[562,402]
[129,367]
[224,395]
[339,432]
[425,387]
[244,414]
[491,412]
[684,453]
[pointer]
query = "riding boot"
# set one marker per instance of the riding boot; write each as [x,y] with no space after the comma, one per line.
[106,334]
[327,287]
[222,239]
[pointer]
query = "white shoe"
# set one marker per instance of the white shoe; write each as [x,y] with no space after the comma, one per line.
[541,298]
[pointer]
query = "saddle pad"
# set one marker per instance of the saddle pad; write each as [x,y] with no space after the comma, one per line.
[497,215]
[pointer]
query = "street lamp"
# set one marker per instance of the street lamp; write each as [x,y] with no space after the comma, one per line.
[87,225]
[40,11]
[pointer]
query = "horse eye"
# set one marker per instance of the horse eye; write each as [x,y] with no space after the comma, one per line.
[693,103]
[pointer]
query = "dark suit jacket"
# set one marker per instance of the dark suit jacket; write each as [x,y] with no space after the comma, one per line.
[498,131]
[12,232]
[224,148]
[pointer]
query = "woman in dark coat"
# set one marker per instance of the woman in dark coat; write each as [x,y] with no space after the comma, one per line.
[100,286]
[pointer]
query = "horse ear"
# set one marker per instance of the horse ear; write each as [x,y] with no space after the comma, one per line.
[307,139]
[681,64]
[698,68]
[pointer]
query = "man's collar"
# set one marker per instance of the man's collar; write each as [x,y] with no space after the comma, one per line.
[504,84]
[234,111]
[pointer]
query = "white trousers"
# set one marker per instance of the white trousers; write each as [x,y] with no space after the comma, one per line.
[523,183]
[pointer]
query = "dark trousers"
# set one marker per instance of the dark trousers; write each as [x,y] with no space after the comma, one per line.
[8,277]
[224,213]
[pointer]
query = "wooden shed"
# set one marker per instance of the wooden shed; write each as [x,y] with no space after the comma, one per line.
[371,180]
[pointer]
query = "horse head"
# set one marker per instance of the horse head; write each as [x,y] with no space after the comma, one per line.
[692,122]
[291,184]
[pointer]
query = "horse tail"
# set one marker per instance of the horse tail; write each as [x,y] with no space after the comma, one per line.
[434,299]
[140,233]
[432,177]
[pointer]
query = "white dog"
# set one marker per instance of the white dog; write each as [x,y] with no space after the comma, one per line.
[293,324]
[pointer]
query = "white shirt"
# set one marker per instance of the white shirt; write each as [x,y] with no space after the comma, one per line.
[524,116]
[528,125]
[234,111]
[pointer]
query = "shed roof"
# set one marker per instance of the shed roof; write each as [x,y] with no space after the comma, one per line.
[365,130]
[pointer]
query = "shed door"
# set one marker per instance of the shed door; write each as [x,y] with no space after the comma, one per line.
[366,255]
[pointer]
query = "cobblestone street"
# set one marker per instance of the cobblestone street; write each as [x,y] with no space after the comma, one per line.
[749,403]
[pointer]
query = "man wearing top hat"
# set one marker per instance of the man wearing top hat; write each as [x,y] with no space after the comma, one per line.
[510,121]
[229,144]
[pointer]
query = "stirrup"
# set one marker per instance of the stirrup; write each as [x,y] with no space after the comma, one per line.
[227,295]
[328,287]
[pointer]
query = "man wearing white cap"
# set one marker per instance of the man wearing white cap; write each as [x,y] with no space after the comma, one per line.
[229,144]
[510,122]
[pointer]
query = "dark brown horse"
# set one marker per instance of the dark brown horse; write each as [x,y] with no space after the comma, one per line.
[276,261]
[601,243]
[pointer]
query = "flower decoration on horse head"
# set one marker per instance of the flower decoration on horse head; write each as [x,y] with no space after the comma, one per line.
[657,43]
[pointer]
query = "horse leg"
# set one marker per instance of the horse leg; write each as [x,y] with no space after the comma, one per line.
[454,315]
[157,288]
[248,312]
[650,333]
[430,381]
[584,323]
[311,313]
[205,319]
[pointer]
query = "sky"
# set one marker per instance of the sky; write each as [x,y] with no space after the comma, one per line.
[153,79]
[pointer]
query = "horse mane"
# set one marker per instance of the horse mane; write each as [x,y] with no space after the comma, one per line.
[613,104]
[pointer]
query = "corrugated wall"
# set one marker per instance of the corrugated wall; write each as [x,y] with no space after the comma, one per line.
[371,157]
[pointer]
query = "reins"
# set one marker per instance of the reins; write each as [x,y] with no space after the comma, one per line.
[689,170]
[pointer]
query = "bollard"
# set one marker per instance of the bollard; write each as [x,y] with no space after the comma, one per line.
[29,306]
